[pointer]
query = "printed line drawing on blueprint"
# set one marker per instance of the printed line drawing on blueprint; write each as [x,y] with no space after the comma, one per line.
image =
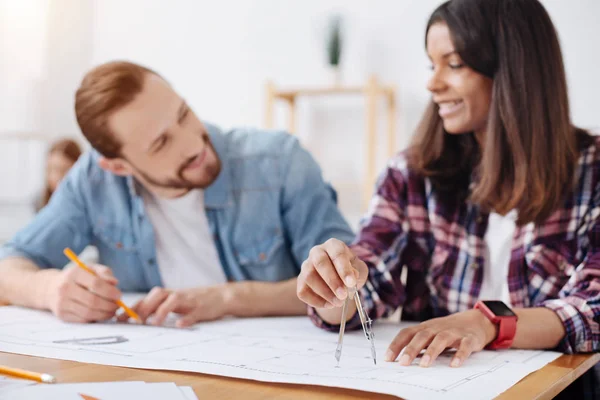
[95,341]
[288,350]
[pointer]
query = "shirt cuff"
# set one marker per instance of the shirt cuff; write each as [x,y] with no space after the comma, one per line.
[576,339]
[352,324]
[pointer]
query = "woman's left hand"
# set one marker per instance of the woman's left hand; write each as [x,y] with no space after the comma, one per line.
[467,331]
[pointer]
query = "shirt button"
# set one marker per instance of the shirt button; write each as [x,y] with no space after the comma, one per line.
[119,245]
[262,256]
[151,261]
[474,265]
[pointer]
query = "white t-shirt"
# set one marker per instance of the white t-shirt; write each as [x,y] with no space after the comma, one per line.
[499,239]
[185,249]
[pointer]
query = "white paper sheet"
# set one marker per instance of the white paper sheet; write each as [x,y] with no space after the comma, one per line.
[7,384]
[289,350]
[188,393]
[99,391]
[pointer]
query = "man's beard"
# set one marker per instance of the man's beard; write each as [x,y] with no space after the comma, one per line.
[180,182]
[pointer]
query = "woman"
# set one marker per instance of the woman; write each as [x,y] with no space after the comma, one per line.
[498,197]
[61,157]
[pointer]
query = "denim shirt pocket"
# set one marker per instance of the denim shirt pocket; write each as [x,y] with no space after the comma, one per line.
[113,237]
[118,250]
[260,257]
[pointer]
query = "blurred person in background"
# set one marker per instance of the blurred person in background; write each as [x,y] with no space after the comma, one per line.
[61,157]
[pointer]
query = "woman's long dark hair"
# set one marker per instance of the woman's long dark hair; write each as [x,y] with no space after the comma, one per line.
[530,150]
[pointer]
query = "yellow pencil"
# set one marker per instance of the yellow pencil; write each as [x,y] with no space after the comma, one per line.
[21,373]
[69,253]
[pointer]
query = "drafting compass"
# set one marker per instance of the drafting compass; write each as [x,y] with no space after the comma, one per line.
[364,320]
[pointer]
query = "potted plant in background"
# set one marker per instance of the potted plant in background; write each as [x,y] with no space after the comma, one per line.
[334,48]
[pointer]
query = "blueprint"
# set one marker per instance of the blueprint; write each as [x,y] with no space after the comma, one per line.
[287,350]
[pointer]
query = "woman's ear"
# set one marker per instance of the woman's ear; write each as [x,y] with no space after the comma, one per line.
[117,166]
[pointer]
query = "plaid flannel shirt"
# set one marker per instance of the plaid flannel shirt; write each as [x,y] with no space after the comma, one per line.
[555,264]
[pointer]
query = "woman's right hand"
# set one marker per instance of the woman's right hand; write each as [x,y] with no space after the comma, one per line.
[331,268]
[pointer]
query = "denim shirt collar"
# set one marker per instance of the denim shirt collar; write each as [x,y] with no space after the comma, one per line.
[217,194]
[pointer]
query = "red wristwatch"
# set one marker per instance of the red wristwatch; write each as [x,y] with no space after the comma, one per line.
[504,318]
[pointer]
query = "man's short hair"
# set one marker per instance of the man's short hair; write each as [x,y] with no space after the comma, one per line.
[103,91]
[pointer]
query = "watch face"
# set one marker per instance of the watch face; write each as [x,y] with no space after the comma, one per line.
[499,308]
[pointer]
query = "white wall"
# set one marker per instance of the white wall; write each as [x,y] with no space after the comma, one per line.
[22,62]
[218,54]
[45,48]
[577,23]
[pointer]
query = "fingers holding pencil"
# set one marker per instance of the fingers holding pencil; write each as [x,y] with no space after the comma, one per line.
[102,284]
[99,280]
[77,296]
[83,294]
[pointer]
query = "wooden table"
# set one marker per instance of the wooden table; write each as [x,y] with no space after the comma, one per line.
[542,384]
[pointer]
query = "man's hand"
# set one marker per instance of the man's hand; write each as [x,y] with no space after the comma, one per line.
[75,295]
[194,305]
[327,273]
[466,331]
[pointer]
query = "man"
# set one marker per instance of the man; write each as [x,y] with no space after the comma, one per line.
[214,223]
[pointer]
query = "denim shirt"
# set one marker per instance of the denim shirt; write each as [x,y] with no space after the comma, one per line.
[267,208]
